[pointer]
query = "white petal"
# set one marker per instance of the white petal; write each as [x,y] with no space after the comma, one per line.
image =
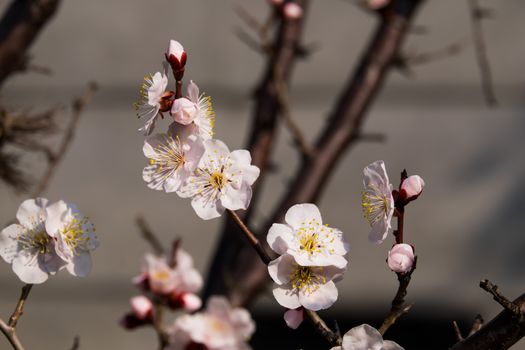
[375,173]
[302,213]
[26,266]
[193,92]
[80,265]
[363,337]
[378,232]
[218,306]
[294,318]
[148,128]
[235,199]
[9,242]
[390,345]
[322,298]
[303,258]
[286,297]
[31,212]
[281,269]
[56,214]
[206,209]
[51,262]
[173,182]
[216,148]
[242,322]
[279,238]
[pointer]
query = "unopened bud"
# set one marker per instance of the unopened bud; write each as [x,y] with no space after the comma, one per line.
[190,302]
[183,111]
[176,56]
[142,307]
[294,317]
[292,11]
[411,188]
[401,258]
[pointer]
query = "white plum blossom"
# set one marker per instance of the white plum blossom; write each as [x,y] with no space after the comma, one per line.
[411,187]
[162,279]
[377,201]
[195,110]
[306,238]
[172,158]
[152,100]
[27,245]
[365,337]
[221,181]
[401,258]
[312,287]
[219,327]
[74,235]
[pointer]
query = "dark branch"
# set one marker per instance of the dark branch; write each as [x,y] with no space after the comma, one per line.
[149,236]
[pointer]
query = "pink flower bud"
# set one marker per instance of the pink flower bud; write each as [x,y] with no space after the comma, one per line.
[142,307]
[412,187]
[293,11]
[401,258]
[190,302]
[294,317]
[184,111]
[377,4]
[176,56]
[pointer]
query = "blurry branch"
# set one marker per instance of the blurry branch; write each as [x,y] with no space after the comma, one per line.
[148,235]
[20,25]
[477,15]
[284,50]
[503,331]
[54,158]
[9,329]
[158,324]
[476,326]
[76,343]
[457,331]
[333,338]
[339,133]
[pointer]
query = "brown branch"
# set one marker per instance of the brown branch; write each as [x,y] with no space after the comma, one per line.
[284,52]
[19,27]
[335,139]
[500,333]
[457,331]
[78,107]
[19,310]
[148,235]
[477,14]
[506,303]
[10,334]
[398,307]
[254,242]
[476,326]
[334,338]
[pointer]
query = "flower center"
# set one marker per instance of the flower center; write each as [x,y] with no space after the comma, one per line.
[74,234]
[217,180]
[375,205]
[306,278]
[161,275]
[35,238]
[310,243]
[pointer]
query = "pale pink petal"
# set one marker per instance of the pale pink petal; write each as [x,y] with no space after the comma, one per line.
[281,269]
[286,297]
[141,306]
[56,213]
[279,238]
[31,212]
[191,302]
[321,298]
[80,265]
[294,318]
[412,186]
[235,199]
[9,242]
[379,231]
[176,49]
[193,92]
[206,209]
[363,337]
[26,266]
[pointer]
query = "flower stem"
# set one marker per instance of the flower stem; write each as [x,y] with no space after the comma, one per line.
[398,234]
[178,89]
[19,310]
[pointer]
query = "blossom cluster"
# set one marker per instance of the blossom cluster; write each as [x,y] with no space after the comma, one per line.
[381,202]
[312,259]
[187,159]
[46,239]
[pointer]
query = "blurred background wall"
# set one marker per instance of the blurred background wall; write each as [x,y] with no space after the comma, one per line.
[466,226]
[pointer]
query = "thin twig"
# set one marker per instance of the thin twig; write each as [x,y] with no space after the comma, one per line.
[19,309]
[254,242]
[11,335]
[502,300]
[332,337]
[173,253]
[148,235]
[477,14]
[398,308]
[78,106]
[457,331]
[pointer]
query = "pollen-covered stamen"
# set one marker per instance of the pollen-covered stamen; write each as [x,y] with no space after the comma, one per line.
[315,238]
[306,278]
[375,204]
[35,238]
[169,157]
[74,234]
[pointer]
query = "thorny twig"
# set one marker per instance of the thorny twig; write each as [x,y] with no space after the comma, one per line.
[477,14]
[502,300]
[78,106]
